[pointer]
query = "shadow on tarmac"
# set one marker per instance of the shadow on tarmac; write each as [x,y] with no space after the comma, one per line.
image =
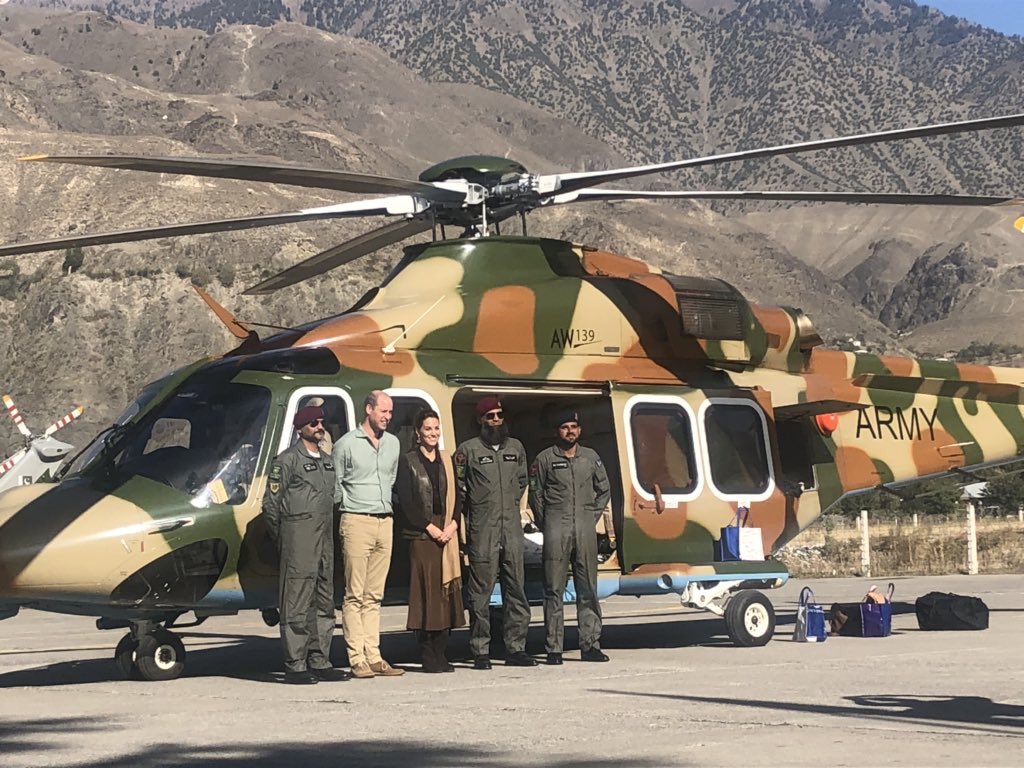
[971,713]
[33,738]
[259,659]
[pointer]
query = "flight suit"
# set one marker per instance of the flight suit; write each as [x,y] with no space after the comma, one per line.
[299,511]
[489,485]
[567,496]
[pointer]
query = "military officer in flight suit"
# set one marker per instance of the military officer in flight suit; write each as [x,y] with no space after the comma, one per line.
[491,475]
[299,511]
[568,492]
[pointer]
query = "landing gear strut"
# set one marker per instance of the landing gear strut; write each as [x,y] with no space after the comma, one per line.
[150,652]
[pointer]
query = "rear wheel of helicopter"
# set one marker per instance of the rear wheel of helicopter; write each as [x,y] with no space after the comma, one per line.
[124,657]
[160,656]
[749,619]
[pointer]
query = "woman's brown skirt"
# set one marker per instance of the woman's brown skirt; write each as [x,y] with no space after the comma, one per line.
[430,609]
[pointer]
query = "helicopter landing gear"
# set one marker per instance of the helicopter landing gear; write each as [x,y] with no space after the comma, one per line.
[150,653]
[749,619]
[749,616]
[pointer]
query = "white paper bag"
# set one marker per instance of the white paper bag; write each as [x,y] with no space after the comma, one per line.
[751,544]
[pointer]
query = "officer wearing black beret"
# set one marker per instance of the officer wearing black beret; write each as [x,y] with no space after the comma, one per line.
[568,492]
[299,511]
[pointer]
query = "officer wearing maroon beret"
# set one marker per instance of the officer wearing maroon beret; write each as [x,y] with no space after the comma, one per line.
[299,511]
[490,478]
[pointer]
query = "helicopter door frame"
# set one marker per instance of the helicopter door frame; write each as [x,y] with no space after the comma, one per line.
[295,397]
[741,498]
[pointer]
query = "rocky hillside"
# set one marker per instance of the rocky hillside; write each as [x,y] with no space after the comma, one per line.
[569,84]
[95,332]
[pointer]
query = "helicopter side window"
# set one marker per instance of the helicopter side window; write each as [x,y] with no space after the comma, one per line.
[663,448]
[737,448]
[403,418]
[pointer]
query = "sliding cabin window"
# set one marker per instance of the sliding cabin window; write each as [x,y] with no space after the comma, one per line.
[737,448]
[662,448]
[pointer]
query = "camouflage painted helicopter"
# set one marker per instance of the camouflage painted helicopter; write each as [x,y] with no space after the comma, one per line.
[40,456]
[698,400]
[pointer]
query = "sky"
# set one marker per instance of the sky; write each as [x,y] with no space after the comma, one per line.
[1006,16]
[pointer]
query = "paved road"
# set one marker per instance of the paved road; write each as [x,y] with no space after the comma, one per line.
[675,693]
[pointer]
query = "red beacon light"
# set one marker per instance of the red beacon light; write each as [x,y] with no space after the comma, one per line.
[827,423]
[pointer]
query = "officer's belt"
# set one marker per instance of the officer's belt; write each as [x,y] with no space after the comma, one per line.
[369,514]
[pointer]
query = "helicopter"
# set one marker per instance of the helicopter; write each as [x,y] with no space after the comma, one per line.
[40,456]
[699,401]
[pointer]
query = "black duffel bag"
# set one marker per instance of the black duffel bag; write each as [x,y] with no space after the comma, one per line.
[944,610]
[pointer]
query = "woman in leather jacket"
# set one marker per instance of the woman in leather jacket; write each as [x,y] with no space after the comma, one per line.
[432,529]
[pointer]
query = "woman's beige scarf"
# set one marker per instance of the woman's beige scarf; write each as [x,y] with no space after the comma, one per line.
[451,565]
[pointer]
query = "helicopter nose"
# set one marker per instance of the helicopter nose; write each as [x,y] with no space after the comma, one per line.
[12,545]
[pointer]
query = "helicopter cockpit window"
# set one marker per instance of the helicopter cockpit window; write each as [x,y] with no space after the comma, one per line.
[204,440]
[737,452]
[663,448]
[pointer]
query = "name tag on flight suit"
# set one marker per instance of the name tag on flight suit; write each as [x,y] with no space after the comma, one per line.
[560,465]
[486,460]
[311,467]
[510,457]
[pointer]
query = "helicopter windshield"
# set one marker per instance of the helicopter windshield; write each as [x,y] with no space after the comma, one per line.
[203,440]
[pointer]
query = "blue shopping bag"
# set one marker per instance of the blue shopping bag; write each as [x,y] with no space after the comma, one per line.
[727,548]
[876,617]
[810,620]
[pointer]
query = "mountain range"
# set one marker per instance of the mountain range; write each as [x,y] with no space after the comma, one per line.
[558,85]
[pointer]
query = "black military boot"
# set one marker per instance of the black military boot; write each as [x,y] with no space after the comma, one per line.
[593,654]
[305,677]
[481,662]
[554,659]
[440,643]
[427,653]
[520,659]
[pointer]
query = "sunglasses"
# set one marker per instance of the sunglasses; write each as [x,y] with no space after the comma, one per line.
[492,415]
[316,423]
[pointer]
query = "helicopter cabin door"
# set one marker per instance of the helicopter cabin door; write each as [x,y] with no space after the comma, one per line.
[662,474]
[690,457]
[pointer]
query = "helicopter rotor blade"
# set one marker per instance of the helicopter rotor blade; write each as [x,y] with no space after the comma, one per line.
[341,254]
[19,422]
[878,198]
[63,421]
[317,178]
[381,206]
[554,184]
[8,464]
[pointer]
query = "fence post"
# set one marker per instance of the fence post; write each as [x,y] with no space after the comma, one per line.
[865,545]
[915,519]
[1020,514]
[972,540]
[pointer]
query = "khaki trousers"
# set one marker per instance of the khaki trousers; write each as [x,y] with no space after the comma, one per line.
[366,547]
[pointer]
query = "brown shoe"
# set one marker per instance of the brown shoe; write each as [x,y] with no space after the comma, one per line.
[362,670]
[383,669]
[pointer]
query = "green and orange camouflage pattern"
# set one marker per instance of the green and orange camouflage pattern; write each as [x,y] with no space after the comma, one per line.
[508,312]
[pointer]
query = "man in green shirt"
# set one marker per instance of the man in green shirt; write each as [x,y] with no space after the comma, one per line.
[367,464]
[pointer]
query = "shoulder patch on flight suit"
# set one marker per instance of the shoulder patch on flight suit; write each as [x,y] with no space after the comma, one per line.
[560,465]
[510,456]
[485,460]
[310,467]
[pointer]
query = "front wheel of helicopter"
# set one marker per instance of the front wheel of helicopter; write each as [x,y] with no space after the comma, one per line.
[160,656]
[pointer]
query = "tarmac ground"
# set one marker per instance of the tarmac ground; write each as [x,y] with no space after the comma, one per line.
[675,693]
